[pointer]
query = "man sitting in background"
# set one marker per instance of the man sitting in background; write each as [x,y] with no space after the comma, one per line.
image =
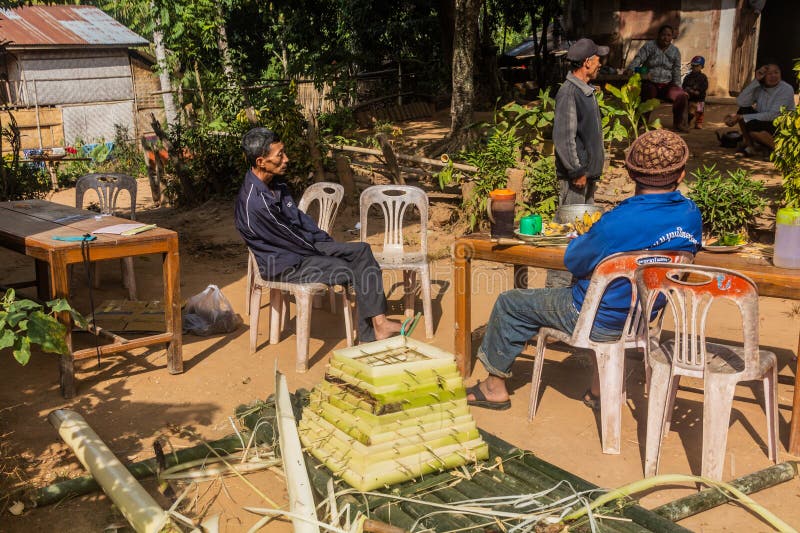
[658,217]
[759,104]
[289,246]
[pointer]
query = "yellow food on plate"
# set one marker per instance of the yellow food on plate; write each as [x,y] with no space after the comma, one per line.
[584,223]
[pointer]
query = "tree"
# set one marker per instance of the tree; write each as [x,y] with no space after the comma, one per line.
[464,46]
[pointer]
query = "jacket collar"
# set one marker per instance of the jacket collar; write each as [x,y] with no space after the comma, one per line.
[585,88]
[275,186]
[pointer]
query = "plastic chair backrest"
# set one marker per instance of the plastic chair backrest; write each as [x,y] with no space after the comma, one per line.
[621,265]
[394,200]
[329,195]
[107,187]
[690,291]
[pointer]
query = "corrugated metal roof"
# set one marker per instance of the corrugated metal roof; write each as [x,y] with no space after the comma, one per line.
[51,26]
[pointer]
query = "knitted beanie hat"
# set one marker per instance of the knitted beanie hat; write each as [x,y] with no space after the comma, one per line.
[657,158]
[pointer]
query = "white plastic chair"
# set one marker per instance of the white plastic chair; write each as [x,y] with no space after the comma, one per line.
[329,196]
[108,187]
[610,356]
[690,291]
[394,200]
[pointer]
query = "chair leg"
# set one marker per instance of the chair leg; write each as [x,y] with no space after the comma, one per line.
[276,303]
[658,399]
[332,299]
[248,286]
[427,308]
[409,279]
[349,333]
[254,304]
[303,317]
[673,393]
[611,370]
[129,277]
[717,405]
[771,410]
[536,377]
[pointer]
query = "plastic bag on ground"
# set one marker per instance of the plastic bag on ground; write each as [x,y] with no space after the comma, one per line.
[209,313]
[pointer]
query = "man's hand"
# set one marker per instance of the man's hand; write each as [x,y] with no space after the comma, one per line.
[760,73]
[580,182]
[731,120]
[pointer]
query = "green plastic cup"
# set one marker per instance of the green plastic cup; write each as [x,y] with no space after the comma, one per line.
[530,225]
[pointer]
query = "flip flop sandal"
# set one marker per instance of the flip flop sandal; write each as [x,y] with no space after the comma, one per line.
[590,400]
[481,401]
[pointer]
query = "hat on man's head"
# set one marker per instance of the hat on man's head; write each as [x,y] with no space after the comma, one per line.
[585,48]
[657,158]
[699,60]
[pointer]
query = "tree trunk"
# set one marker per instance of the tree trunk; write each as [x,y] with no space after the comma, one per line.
[464,43]
[170,112]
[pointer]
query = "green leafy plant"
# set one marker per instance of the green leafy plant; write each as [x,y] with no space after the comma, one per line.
[727,203]
[634,111]
[532,125]
[19,181]
[539,189]
[24,323]
[611,121]
[499,152]
[786,154]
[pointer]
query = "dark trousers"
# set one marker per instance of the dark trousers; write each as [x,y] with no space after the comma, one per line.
[351,264]
[670,92]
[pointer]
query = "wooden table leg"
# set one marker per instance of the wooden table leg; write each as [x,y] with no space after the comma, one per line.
[172,307]
[42,279]
[794,431]
[462,277]
[59,288]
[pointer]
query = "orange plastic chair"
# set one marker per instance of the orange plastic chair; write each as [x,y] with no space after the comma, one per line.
[610,355]
[690,291]
[329,196]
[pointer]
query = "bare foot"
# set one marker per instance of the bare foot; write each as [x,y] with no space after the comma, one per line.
[385,328]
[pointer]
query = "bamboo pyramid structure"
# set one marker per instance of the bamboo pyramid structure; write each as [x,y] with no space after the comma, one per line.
[389,411]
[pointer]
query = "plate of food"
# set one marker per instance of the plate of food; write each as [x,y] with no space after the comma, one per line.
[727,243]
[543,240]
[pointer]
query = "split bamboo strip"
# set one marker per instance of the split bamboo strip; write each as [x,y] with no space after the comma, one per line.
[301,499]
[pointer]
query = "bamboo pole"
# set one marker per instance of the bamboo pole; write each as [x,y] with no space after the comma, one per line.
[712,497]
[406,157]
[138,507]
[140,470]
[301,499]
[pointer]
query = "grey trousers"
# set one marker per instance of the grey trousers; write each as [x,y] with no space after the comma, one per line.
[568,194]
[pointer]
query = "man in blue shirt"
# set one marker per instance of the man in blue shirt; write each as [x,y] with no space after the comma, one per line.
[658,217]
[288,245]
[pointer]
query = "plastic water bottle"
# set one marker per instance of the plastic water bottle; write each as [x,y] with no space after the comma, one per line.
[787,238]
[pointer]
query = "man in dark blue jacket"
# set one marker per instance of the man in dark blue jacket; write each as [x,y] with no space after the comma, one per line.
[658,217]
[288,245]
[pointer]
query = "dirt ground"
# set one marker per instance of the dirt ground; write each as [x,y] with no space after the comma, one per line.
[131,400]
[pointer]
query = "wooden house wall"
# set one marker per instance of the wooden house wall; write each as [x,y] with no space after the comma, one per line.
[148,99]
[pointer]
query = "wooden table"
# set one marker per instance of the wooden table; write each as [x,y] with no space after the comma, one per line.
[771,281]
[28,227]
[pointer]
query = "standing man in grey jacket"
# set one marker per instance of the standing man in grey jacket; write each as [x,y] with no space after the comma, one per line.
[577,130]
